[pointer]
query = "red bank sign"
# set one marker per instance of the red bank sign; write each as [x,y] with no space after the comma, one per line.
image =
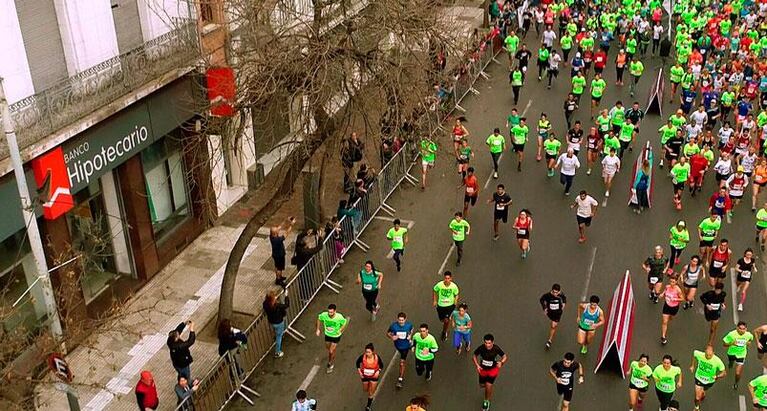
[51,174]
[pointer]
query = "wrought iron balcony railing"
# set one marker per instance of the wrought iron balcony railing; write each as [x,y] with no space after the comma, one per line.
[73,98]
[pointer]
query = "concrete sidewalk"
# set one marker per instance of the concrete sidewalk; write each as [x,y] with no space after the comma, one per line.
[106,367]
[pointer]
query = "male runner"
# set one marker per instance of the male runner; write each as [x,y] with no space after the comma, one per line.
[459,228]
[488,358]
[401,332]
[518,139]
[758,389]
[497,143]
[563,372]
[713,305]
[333,325]
[428,155]
[707,232]
[737,342]
[445,298]
[586,210]
[501,201]
[707,368]
[398,237]
[720,261]
[553,304]
[760,334]
[425,345]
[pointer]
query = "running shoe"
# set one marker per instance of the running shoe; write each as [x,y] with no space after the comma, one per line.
[485,405]
[663,340]
[400,382]
[330,368]
[740,307]
[584,349]
[548,344]
[428,376]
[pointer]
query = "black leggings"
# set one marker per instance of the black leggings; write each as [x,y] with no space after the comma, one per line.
[619,72]
[421,366]
[675,253]
[664,398]
[370,299]
[495,157]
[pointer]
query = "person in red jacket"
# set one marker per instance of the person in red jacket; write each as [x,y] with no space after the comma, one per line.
[698,167]
[720,203]
[146,392]
[600,61]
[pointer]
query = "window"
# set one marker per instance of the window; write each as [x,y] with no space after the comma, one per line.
[167,192]
[17,271]
[206,11]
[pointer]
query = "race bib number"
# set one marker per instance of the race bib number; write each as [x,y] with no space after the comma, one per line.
[470,190]
[714,306]
[745,274]
[718,264]
[330,329]
[654,280]
[500,207]
[554,306]
[521,231]
[367,287]
[488,363]
[668,386]
[740,342]
[497,142]
[398,238]
[368,372]
[401,335]
[588,322]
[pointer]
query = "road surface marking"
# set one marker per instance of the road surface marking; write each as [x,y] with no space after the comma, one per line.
[734,293]
[444,262]
[527,107]
[386,372]
[742,401]
[309,377]
[588,274]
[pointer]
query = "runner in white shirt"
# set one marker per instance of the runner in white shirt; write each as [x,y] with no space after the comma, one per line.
[693,131]
[748,161]
[723,169]
[548,38]
[724,134]
[699,116]
[736,184]
[611,164]
[586,210]
[567,163]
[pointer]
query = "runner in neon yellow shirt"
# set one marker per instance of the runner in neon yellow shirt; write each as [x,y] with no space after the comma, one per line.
[598,86]
[398,237]
[668,378]
[680,173]
[459,228]
[445,298]
[737,342]
[641,373]
[707,368]
[424,347]
[333,325]
[428,155]
[758,389]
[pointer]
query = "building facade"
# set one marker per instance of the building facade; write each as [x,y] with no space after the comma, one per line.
[109,101]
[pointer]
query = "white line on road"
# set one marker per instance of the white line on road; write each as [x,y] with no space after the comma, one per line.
[527,107]
[444,262]
[409,223]
[309,377]
[588,274]
[386,372]
[734,293]
[742,402]
[491,174]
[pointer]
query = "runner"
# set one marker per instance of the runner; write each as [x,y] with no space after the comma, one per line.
[302,403]
[517,79]
[737,342]
[544,128]
[713,305]
[553,304]
[760,180]
[707,368]
[369,366]
[720,203]
[736,185]
[668,378]
[464,156]
[371,281]
[691,275]
[761,226]
[428,155]
[510,44]
[568,164]
[758,389]
[639,381]
[418,403]
[585,212]
[598,86]
[459,228]
[551,147]
[497,144]
[635,116]
[471,192]
[672,295]
[575,137]
[636,68]
[445,298]
[590,317]
[655,266]
[745,267]
[425,345]
[680,172]
[678,238]
[501,201]
[666,132]
[611,165]
[459,133]
[462,325]
[333,325]
[488,358]
[570,105]
[594,147]
[401,333]
[563,372]
[720,261]
[523,224]
[579,84]
[723,167]
[707,232]
[398,237]
[519,138]
[698,167]
[760,334]
[673,147]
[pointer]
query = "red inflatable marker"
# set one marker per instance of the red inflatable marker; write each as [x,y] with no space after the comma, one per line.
[616,340]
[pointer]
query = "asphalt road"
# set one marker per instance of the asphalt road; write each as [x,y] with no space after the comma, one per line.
[503,290]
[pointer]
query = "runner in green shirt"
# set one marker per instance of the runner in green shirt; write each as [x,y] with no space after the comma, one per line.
[707,368]
[510,43]
[636,68]
[666,132]
[371,281]
[551,146]
[518,139]
[428,155]
[678,238]
[707,231]
[516,78]
[459,228]
[639,381]
[758,389]
[543,60]
[737,342]
[579,84]
[424,346]
[398,237]
[761,225]
[668,378]
[333,325]
[598,86]
[610,142]
[680,173]
[566,43]
[444,298]
[675,75]
[497,143]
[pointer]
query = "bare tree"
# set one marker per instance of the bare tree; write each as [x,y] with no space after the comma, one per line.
[370,67]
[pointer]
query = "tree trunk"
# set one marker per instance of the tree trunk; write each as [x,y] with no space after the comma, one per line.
[486,13]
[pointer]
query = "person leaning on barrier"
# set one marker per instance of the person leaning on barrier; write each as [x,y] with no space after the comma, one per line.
[230,339]
[184,393]
[275,311]
[179,349]
[308,243]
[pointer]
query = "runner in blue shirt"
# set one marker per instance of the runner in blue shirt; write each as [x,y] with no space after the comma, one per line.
[401,332]
[688,98]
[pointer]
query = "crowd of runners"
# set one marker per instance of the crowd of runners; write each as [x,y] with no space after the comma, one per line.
[717,71]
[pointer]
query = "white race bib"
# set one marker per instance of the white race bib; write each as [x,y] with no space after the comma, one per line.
[367,287]
[653,280]
[718,264]
[714,306]
[554,306]
[368,372]
[521,231]
[500,207]
[487,363]
[401,335]
[470,190]
[497,142]
[740,342]
[745,274]
[398,238]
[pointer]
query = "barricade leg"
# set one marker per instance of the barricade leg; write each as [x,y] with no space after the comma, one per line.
[293,333]
[238,383]
[359,243]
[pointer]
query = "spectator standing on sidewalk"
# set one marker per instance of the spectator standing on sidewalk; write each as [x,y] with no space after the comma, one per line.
[277,237]
[276,310]
[184,393]
[146,392]
[179,349]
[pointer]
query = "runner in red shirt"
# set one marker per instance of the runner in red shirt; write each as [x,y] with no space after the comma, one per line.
[698,167]
[472,191]
[600,61]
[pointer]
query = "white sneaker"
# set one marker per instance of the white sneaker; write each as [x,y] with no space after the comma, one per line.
[495,174]
[607,193]
[588,172]
[740,307]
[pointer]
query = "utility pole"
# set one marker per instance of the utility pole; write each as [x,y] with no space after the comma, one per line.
[30,220]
